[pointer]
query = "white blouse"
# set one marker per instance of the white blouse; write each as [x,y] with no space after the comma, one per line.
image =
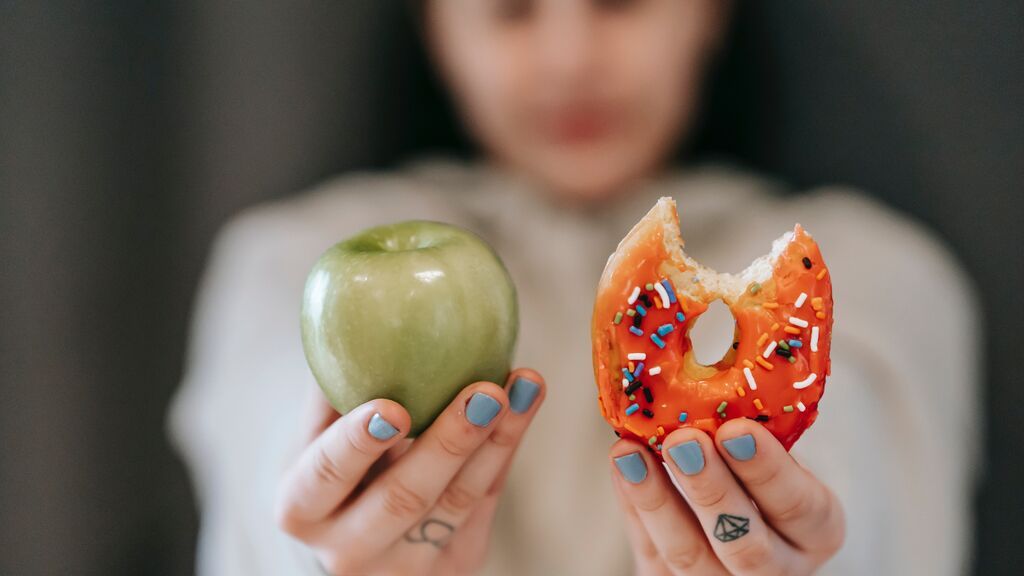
[897,437]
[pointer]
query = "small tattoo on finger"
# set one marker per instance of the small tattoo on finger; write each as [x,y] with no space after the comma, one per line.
[729,527]
[431,531]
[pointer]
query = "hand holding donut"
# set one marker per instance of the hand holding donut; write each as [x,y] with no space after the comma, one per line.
[752,509]
[368,501]
[723,430]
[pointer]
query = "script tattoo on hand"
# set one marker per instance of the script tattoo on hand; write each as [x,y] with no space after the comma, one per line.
[729,527]
[431,531]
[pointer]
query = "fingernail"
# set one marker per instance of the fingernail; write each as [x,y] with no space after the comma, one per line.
[481,409]
[522,393]
[632,467]
[688,457]
[741,448]
[380,428]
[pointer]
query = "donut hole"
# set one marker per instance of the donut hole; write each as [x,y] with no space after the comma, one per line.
[712,334]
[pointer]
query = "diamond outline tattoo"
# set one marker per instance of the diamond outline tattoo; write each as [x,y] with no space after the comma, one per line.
[729,527]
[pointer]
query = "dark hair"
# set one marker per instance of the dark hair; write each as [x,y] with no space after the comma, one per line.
[424,119]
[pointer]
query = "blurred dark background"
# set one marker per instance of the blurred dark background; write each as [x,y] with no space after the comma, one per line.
[129,131]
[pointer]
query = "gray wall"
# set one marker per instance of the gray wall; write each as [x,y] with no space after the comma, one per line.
[130,130]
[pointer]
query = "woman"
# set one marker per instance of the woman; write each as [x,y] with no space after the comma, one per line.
[577,104]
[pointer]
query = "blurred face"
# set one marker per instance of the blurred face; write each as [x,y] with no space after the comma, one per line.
[582,95]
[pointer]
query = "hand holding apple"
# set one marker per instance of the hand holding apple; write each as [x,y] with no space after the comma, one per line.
[412,312]
[367,501]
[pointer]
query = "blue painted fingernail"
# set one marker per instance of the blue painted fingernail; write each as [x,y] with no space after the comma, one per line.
[632,467]
[380,428]
[521,396]
[741,448]
[482,409]
[688,457]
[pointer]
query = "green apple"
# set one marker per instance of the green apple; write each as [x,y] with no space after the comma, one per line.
[413,312]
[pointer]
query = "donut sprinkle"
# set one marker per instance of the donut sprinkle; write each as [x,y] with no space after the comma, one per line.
[633,296]
[750,378]
[800,385]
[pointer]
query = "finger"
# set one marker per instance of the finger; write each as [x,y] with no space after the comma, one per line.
[671,525]
[795,503]
[481,472]
[646,557]
[335,462]
[467,549]
[475,532]
[404,493]
[526,391]
[488,469]
[738,535]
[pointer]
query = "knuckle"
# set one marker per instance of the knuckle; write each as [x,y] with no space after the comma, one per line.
[749,555]
[503,438]
[647,550]
[327,470]
[358,442]
[684,558]
[457,500]
[804,505]
[499,484]
[403,502]
[798,508]
[764,478]
[653,502]
[453,446]
[709,496]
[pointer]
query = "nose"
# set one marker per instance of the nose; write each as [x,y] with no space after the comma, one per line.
[568,43]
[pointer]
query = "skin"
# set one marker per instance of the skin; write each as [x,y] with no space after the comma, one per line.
[796,526]
[585,97]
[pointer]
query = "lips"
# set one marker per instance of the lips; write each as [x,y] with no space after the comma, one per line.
[577,124]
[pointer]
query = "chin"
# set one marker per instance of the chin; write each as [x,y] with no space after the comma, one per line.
[586,189]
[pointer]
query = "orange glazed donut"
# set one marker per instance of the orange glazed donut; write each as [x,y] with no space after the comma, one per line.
[650,295]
